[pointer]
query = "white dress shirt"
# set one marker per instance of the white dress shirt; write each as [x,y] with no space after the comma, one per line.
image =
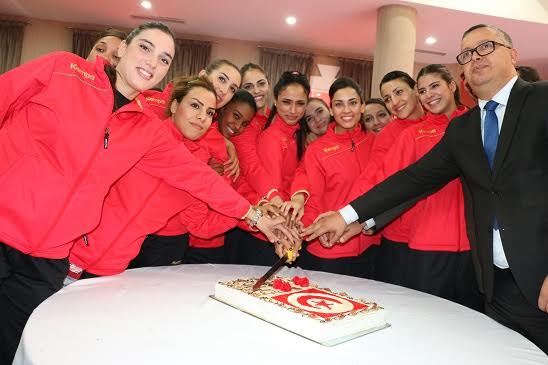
[499,258]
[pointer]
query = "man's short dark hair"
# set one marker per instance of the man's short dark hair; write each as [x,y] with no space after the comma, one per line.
[499,32]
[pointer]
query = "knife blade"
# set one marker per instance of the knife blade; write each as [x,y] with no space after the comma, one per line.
[277,265]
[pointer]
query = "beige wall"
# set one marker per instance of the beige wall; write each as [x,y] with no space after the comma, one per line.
[239,52]
[42,36]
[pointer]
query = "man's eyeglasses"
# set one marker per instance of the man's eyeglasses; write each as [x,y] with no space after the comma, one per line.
[483,50]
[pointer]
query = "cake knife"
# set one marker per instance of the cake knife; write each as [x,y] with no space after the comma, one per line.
[285,258]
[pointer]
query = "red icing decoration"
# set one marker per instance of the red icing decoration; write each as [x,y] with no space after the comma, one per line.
[286,287]
[301,281]
[277,284]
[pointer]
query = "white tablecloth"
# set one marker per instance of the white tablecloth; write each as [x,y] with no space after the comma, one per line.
[165,316]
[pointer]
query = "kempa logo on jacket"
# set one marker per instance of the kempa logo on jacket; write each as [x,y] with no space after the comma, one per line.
[158,101]
[86,75]
[331,149]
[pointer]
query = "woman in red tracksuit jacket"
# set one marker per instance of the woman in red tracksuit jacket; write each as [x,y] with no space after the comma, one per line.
[139,203]
[258,177]
[280,150]
[62,147]
[164,247]
[254,81]
[317,118]
[439,260]
[332,163]
[233,119]
[225,77]
[398,92]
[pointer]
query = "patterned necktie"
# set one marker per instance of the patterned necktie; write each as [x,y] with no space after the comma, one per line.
[490,131]
[490,138]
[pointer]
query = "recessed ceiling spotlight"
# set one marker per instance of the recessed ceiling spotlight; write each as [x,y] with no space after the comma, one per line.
[146,4]
[430,40]
[318,94]
[291,20]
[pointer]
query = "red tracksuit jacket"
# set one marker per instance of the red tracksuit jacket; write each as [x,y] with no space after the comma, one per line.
[398,230]
[158,100]
[61,148]
[333,162]
[436,223]
[251,164]
[277,149]
[140,204]
[214,142]
[300,183]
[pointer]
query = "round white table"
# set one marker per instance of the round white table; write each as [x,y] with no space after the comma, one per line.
[165,316]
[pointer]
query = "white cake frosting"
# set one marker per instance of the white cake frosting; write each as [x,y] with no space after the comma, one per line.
[315,313]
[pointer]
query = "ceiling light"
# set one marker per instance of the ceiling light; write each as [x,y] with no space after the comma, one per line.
[430,40]
[318,94]
[291,20]
[146,4]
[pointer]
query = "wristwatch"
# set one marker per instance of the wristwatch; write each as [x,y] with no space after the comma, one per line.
[256,216]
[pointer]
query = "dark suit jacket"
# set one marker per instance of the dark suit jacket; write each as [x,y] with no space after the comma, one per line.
[516,191]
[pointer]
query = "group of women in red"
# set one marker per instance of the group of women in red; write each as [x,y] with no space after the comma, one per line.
[101,172]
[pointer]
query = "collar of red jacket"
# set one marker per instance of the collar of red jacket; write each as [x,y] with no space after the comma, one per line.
[259,120]
[279,124]
[190,144]
[345,136]
[396,119]
[442,118]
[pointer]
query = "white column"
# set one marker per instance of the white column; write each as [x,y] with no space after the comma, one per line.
[395,43]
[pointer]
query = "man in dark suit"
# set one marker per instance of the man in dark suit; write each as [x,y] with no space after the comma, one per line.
[500,151]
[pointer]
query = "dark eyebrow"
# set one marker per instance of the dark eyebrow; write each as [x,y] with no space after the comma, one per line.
[351,99]
[198,101]
[225,75]
[153,46]
[237,112]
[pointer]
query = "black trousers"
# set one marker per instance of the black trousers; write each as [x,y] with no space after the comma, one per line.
[362,266]
[391,262]
[510,308]
[449,275]
[199,255]
[161,251]
[25,282]
[242,248]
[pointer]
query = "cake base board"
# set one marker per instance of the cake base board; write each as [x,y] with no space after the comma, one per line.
[331,342]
